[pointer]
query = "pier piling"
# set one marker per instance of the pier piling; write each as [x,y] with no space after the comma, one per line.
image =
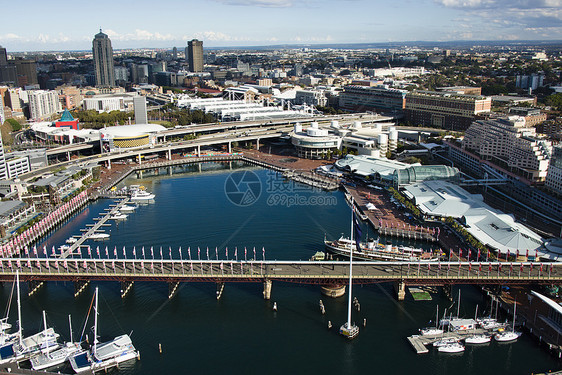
[400,290]
[34,286]
[80,286]
[126,287]
[267,289]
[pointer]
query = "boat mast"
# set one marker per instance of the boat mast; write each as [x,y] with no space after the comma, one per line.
[459,305]
[70,326]
[19,309]
[350,268]
[45,331]
[437,317]
[96,323]
[514,310]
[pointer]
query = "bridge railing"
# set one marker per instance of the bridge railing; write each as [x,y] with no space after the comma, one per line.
[100,268]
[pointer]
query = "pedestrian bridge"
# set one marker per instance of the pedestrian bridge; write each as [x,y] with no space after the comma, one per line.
[308,272]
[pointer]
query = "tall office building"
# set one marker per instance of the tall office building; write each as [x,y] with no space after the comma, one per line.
[3,56]
[139,104]
[103,60]
[195,51]
[3,171]
[26,71]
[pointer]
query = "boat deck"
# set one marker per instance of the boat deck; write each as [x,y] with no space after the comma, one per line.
[420,343]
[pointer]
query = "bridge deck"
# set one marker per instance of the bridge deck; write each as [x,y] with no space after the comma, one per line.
[312,272]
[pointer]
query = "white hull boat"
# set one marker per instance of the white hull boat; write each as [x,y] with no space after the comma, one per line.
[478,339]
[451,348]
[98,236]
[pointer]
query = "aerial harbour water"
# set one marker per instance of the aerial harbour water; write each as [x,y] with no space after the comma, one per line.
[240,333]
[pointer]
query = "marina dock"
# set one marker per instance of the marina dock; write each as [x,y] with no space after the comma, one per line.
[94,228]
[420,343]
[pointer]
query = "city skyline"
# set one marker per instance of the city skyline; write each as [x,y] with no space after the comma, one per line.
[228,23]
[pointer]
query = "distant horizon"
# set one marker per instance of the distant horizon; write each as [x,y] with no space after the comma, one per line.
[342,45]
[56,26]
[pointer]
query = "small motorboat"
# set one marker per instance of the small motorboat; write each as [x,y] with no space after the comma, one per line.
[455,347]
[478,339]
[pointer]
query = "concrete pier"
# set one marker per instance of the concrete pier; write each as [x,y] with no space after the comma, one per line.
[267,289]
[400,290]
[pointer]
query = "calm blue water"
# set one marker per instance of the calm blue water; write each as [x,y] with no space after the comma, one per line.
[240,334]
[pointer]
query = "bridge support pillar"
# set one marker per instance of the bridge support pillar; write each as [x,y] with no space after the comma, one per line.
[139,159]
[68,155]
[267,289]
[80,286]
[173,289]
[258,144]
[198,151]
[169,154]
[229,147]
[108,163]
[400,290]
[126,287]
[448,290]
[220,289]
[34,286]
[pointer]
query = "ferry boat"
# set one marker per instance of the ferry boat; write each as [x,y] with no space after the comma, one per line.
[372,250]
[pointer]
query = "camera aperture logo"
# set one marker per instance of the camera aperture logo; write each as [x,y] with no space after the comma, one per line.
[243,188]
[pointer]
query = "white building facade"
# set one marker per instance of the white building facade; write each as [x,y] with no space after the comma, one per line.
[43,104]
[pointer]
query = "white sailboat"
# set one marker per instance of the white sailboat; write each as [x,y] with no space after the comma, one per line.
[22,348]
[432,331]
[507,336]
[477,338]
[105,355]
[348,329]
[56,357]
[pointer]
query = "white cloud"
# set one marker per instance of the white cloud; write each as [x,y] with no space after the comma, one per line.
[259,3]
[139,35]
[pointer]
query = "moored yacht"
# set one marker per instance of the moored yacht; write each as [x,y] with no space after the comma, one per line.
[105,355]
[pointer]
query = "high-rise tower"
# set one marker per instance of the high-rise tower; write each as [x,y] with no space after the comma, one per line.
[195,50]
[103,60]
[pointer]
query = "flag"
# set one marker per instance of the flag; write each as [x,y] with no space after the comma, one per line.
[189,252]
[134,252]
[47,264]
[460,253]
[115,251]
[207,253]
[226,252]
[254,253]
[56,264]
[216,253]
[170,248]
[124,253]
[26,250]
[236,253]
[85,265]
[9,263]
[357,231]
[143,253]
[263,253]
[245,253]
[469,253]
[511,267]
[198,253]
[89,252]
[161,256]
[113,265]
[541,268]
[180,253]
[65,264]
[98,251]
[106,252]
[35,250]
[151,252]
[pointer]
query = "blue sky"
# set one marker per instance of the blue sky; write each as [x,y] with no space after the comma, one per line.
[58,25]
